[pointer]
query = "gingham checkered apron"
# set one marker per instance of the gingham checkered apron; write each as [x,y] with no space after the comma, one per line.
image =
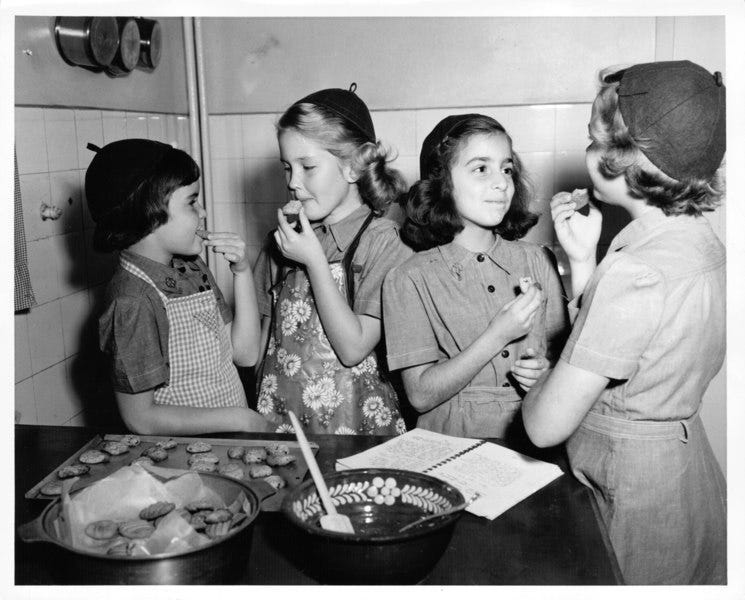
[200,356]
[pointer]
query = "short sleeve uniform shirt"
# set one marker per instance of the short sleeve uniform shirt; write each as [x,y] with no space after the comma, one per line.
[441,300]
[652,318]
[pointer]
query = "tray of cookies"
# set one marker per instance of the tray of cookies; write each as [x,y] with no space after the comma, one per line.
[279,464]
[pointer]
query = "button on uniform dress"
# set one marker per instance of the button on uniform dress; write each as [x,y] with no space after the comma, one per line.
[301,371]
[439,301]
[653,320]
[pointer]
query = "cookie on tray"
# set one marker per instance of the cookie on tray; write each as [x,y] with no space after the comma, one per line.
[93,457]
[72,471]
[115,448]
[259,471]
[202,466]
[277,449]
[155,510]
[231,470]
[51,488]
[131,440]
[102,530]
[276,481]
[204,456]
[143,460]
[155,453]
[198,446]
[280,460]
[254,455]
[236,451]
[168,444]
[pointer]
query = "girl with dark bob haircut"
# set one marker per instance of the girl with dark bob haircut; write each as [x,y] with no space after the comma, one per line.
[431,218]
[477,315]
[170,339]
[145,208]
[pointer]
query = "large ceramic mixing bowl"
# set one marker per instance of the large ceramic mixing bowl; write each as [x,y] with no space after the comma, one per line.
[378,502]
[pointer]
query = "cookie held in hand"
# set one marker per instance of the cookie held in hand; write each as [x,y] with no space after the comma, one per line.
[581,199]
[291,212]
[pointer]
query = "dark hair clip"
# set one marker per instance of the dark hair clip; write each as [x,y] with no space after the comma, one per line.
[718,78]
[93,147]
[353,87]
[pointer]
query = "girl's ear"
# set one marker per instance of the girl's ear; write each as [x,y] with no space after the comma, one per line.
[350,175]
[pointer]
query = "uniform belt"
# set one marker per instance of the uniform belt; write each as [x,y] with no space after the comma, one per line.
[618,427]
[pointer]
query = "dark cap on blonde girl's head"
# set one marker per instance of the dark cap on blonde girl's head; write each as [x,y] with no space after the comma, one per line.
[117,170]
[345,104]
[434,138]
[676,110]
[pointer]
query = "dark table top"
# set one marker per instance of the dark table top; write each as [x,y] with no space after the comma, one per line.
[553,537]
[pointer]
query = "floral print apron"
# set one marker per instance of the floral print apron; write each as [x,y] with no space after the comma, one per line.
[302,373]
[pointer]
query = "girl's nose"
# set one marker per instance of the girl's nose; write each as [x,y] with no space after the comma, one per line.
[202,212]
[500,181]
[293,182]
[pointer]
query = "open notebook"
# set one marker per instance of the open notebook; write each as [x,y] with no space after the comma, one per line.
[501,477]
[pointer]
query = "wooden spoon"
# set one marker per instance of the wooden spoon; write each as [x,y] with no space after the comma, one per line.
[332,520]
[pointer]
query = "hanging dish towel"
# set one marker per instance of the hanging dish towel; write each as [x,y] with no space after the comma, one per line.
[24,295]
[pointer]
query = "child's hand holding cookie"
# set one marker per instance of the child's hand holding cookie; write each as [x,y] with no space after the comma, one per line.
[230,245]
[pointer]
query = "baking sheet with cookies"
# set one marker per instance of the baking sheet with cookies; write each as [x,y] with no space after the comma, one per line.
[257,462]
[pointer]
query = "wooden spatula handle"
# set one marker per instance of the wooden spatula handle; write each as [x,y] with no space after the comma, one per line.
[310,460]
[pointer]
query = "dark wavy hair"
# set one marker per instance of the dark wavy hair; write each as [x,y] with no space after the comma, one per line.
[622,154]
[145,208]
[431,217]
[377,182]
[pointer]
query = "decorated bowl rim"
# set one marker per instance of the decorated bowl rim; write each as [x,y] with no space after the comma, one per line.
[330,478]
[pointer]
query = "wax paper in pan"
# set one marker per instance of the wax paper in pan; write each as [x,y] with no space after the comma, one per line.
[123,494]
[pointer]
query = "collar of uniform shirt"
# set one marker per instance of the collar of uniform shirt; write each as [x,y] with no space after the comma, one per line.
[639,228]
[500,253]
[344,231]
[169,279]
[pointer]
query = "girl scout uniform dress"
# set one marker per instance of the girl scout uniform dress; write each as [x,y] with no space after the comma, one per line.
[301,371]
[439,301]
[653,320]
[164,328]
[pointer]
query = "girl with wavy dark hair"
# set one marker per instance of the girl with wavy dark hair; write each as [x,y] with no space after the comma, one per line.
[319,285]
[474,318]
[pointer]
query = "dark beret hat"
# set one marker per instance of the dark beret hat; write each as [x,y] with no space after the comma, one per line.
[676,109]
[345,104]
[434,138]
[118,169]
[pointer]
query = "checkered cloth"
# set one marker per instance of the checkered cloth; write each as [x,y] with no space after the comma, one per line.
[23,294]
[200,354]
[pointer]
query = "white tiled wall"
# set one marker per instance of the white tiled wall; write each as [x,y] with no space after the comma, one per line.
[55,372]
